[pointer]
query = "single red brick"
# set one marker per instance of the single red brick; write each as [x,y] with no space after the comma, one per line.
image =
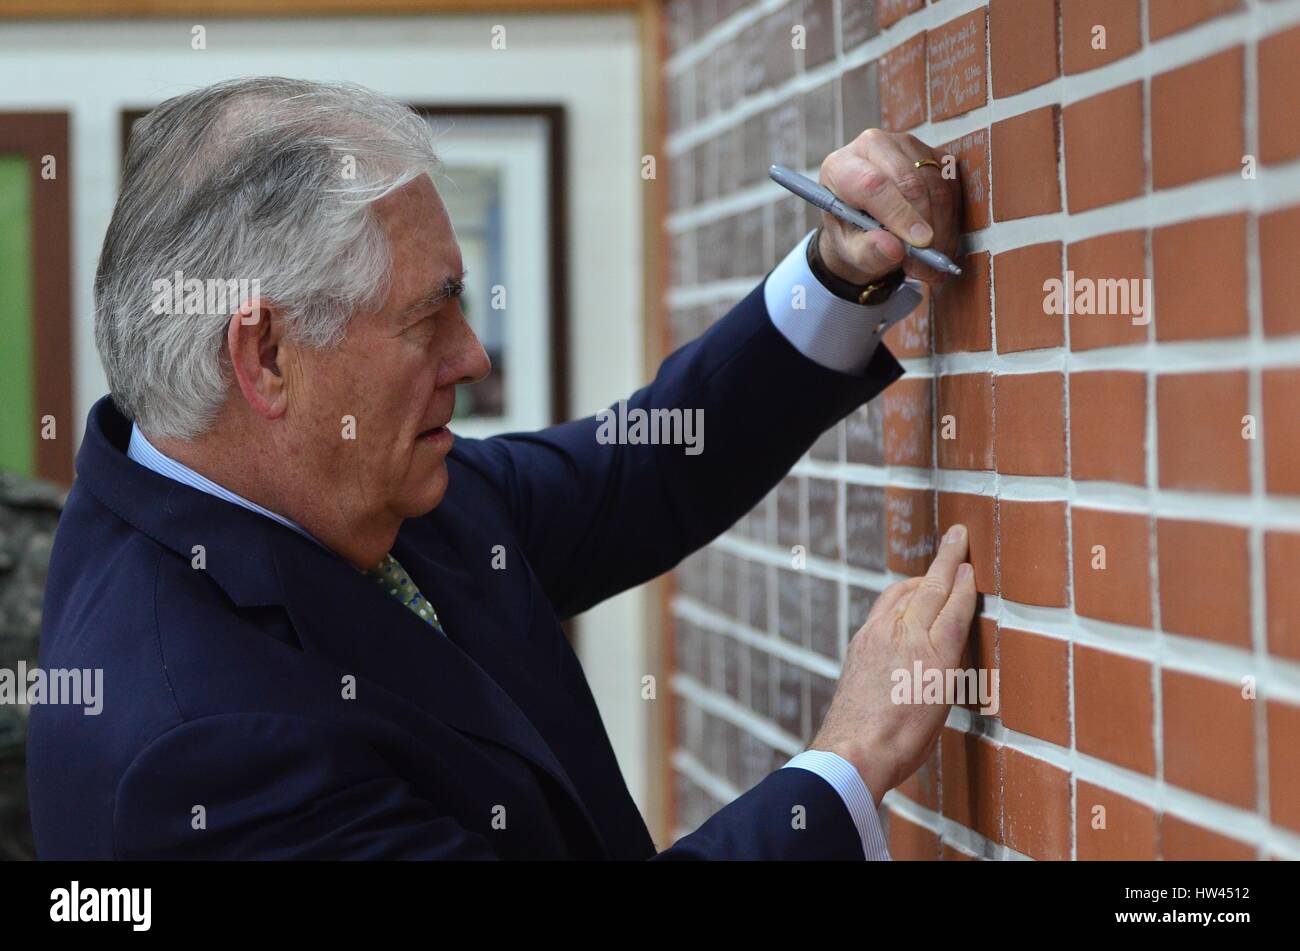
[1120,256]
[976,512]
[908,423]
[902,85]
[1282,430]
[972,154]
[1114,709]
[1112,574]
[1103,169]
[1279,77]
[1200,431]
[1030,423]
[965,412]
[1036,806]
[1281,569]
[909,521]
[911,337]
[972,782]
[1209,731]
[1181,256]
[1284,764]
[1025,166]
[1034,684]
[1084,46]
[1204,574]
[1022,44]
[857,22]
[1169,16]
[1108,426]
[1181,841]
[1207,94]
[956,52]
[909,841]
[1279,233]
[1022,321]
[1111,827]
[962,310]
[1032,561]
[980,655]
[890,12]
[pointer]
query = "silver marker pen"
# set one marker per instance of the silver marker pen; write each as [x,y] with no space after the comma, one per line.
[825,199]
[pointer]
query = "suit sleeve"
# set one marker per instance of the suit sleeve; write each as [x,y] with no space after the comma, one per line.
[595,518]
[793,814]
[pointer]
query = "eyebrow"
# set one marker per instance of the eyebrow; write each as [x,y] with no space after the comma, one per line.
[450,287]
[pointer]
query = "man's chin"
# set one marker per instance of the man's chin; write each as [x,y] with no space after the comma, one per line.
[428,494]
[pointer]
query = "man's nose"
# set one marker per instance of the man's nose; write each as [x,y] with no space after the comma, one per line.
[469,362]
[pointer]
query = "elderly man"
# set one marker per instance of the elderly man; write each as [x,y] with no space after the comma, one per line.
[330,630]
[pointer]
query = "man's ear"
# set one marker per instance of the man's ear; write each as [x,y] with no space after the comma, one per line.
[254,338]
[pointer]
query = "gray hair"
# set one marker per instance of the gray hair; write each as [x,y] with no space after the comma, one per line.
[265,179]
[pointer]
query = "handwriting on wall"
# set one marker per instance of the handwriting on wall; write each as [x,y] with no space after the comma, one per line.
[972,154]
[908,542]
[957,67]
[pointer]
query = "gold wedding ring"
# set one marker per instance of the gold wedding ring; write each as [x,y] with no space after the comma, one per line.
[925,161]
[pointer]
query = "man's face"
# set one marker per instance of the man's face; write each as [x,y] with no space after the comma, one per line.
[369,416]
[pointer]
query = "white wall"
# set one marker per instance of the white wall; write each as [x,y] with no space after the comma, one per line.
[591,64]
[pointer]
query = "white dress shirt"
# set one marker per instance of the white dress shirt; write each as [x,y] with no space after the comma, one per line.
[839,335]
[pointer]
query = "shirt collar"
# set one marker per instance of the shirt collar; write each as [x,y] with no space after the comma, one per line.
[146,454]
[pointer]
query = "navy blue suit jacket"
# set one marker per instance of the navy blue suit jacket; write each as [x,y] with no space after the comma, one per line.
[224,687]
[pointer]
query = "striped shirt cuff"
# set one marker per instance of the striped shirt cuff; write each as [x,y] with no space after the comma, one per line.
[845,780]
[831,331]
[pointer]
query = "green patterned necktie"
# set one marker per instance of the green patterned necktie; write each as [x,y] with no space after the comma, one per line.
[398,583]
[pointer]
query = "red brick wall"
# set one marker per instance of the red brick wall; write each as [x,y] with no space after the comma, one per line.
[1121,688]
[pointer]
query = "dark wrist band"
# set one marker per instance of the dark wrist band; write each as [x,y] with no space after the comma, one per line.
[876,292]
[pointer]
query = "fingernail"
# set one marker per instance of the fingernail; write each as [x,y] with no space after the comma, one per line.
[964,571]
[954,534]
[921,233]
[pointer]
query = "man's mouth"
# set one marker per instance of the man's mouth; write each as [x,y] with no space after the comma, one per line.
[438,434]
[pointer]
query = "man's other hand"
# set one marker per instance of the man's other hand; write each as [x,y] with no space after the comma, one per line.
[924,619]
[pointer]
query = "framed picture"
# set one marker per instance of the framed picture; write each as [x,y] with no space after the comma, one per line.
[503,185]
[502,181]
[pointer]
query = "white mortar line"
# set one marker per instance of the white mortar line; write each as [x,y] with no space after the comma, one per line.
[1276,678]
[720,705]
[951,831]
[701,615]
